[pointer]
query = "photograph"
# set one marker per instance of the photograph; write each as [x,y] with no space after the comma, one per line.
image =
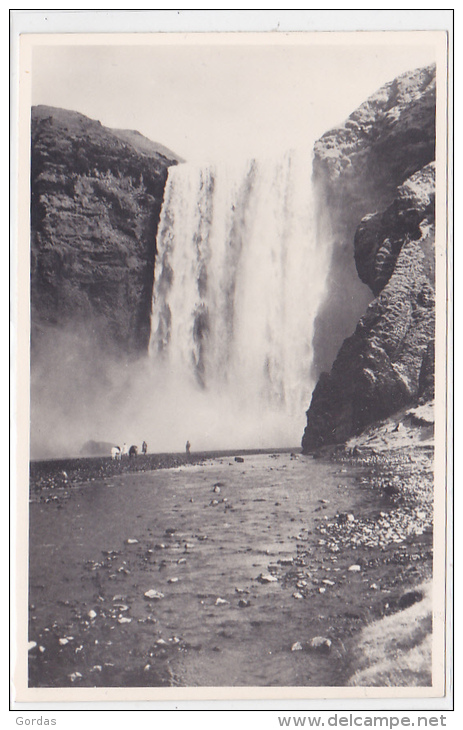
[233,375]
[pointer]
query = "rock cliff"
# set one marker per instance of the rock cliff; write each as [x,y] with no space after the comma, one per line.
[96,195]
[375,177]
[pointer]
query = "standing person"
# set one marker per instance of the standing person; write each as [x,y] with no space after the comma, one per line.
[187,447]
[144,447]
[125,450]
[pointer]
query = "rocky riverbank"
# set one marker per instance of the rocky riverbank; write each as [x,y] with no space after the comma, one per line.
[354,579]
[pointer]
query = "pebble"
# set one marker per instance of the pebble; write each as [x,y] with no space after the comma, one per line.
[320,643]
[92,614]
[267,578]
[328,582]
[173,580]
[221,602]
[242,603]
[354,569]
[298,595]
[131,541]
[31,645]
[74,676]
[124,620]
[154,595]
[297,646]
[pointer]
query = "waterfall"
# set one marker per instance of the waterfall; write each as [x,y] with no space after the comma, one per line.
[239,277]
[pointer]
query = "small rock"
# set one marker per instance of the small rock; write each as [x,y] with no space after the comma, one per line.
[242,603]
[328,582]
[63,642]
[92,614]
[239,459]
[221,602]
[267,578]
[74,676]
[408,599]
[173,580]
[181,561]
[320,643]
[286,561]
[31,645]
[170,531]
[354,569]
[131,541]
[153,595]
[161,641]
[216,489]
[160,546]
[322,590]
[124,620]
[298,595]
[297,646]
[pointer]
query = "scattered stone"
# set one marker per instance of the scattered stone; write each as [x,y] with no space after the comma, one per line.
[242,603]
[160,546]
[267,578]
[214,502]
[31,645]
[92,614]
[297,595]
[322,590]
[173,580]
[409,598]
[354,569]
[74,676]
[171,531]
[131,541]
[181,561]
[153,595]
[216,489]
[124,620]
[320,643]
[239,459]
[328,582]
[297,646]
[64,641]
[286,561]
[221,602]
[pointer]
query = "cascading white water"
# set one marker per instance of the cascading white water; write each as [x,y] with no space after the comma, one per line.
[239,277]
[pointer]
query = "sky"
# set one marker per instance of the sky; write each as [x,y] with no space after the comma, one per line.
[211,101]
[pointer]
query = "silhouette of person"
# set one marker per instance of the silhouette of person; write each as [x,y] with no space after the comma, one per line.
[187,447]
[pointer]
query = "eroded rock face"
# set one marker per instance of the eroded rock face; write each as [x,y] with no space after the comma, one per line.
[357,170]
[96,195]
[388,362]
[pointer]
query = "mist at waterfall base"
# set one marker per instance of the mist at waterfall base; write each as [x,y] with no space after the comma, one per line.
[240,275]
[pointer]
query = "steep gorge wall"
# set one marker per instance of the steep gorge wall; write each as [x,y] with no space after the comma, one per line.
[96,195]
[375,176]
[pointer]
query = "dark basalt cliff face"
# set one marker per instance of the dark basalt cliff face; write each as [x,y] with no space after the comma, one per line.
[375,175]
[96,195]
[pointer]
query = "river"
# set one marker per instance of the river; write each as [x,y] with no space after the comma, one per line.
[210,539]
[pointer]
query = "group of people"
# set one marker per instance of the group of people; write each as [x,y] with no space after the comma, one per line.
[117,453]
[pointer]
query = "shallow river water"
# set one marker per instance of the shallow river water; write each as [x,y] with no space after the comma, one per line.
[217,624]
